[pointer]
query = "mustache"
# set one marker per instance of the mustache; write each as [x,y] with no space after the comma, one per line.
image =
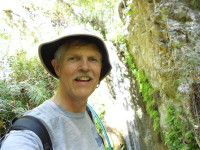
[83,74]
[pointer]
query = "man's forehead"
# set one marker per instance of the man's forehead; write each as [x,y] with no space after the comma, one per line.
[83,48]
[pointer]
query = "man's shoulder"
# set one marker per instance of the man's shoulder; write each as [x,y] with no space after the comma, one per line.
[21,139]
[44,111]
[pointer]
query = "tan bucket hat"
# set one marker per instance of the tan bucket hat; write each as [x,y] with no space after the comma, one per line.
[47,50]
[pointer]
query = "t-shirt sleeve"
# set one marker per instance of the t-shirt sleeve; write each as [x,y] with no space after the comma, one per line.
[22,140]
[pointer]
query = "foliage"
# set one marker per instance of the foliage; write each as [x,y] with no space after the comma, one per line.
[99,15]
[102,10]
[98,125]
[26,86]
[8,110]
[194,4]
[129,8]
[146,91]
[32,78]
[25,83]
[101,116]
[179,134]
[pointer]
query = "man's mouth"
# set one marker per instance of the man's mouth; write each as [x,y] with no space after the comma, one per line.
[83,79]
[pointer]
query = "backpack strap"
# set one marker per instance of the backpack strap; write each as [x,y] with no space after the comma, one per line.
[35,125]
[90,114]
[101,124]
[92,118]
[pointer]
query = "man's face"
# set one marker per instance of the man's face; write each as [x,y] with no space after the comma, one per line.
[79,71]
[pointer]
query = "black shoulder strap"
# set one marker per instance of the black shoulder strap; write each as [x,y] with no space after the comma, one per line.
[90,113]
[35,125]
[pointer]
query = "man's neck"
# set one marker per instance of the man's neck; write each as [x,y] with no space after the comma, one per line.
[71,105]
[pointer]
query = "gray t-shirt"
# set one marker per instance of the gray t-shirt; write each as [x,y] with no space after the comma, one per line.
[68,131]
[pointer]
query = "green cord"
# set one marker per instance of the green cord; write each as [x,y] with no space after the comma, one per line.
[102,126]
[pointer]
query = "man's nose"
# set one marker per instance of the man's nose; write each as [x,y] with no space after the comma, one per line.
[84,66]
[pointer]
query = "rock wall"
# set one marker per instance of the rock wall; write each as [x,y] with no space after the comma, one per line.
[164,39]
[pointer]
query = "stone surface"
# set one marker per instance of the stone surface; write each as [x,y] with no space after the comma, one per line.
[164,40]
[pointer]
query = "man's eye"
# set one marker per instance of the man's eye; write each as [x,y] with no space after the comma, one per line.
[93,59]
[72,58]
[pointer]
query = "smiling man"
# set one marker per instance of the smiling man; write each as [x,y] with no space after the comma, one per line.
[79,70]
[80,62]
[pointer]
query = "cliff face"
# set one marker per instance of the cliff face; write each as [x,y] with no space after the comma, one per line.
[164,40]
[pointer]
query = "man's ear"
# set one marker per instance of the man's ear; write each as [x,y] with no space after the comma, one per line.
[56,66]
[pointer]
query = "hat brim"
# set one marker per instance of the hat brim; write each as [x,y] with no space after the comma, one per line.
[47,50]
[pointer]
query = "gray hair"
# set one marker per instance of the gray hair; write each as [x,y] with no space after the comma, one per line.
[60,52]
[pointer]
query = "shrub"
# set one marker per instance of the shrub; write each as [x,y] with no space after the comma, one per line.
[26,86]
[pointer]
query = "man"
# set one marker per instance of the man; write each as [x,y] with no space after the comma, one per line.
[80,62]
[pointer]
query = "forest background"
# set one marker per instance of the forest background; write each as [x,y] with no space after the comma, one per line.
[24,83]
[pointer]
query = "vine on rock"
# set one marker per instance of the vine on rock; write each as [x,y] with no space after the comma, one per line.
[146,91]
[179,134]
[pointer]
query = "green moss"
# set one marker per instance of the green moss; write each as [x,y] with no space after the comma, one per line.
[194,4]
[146,91]
[179,134]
